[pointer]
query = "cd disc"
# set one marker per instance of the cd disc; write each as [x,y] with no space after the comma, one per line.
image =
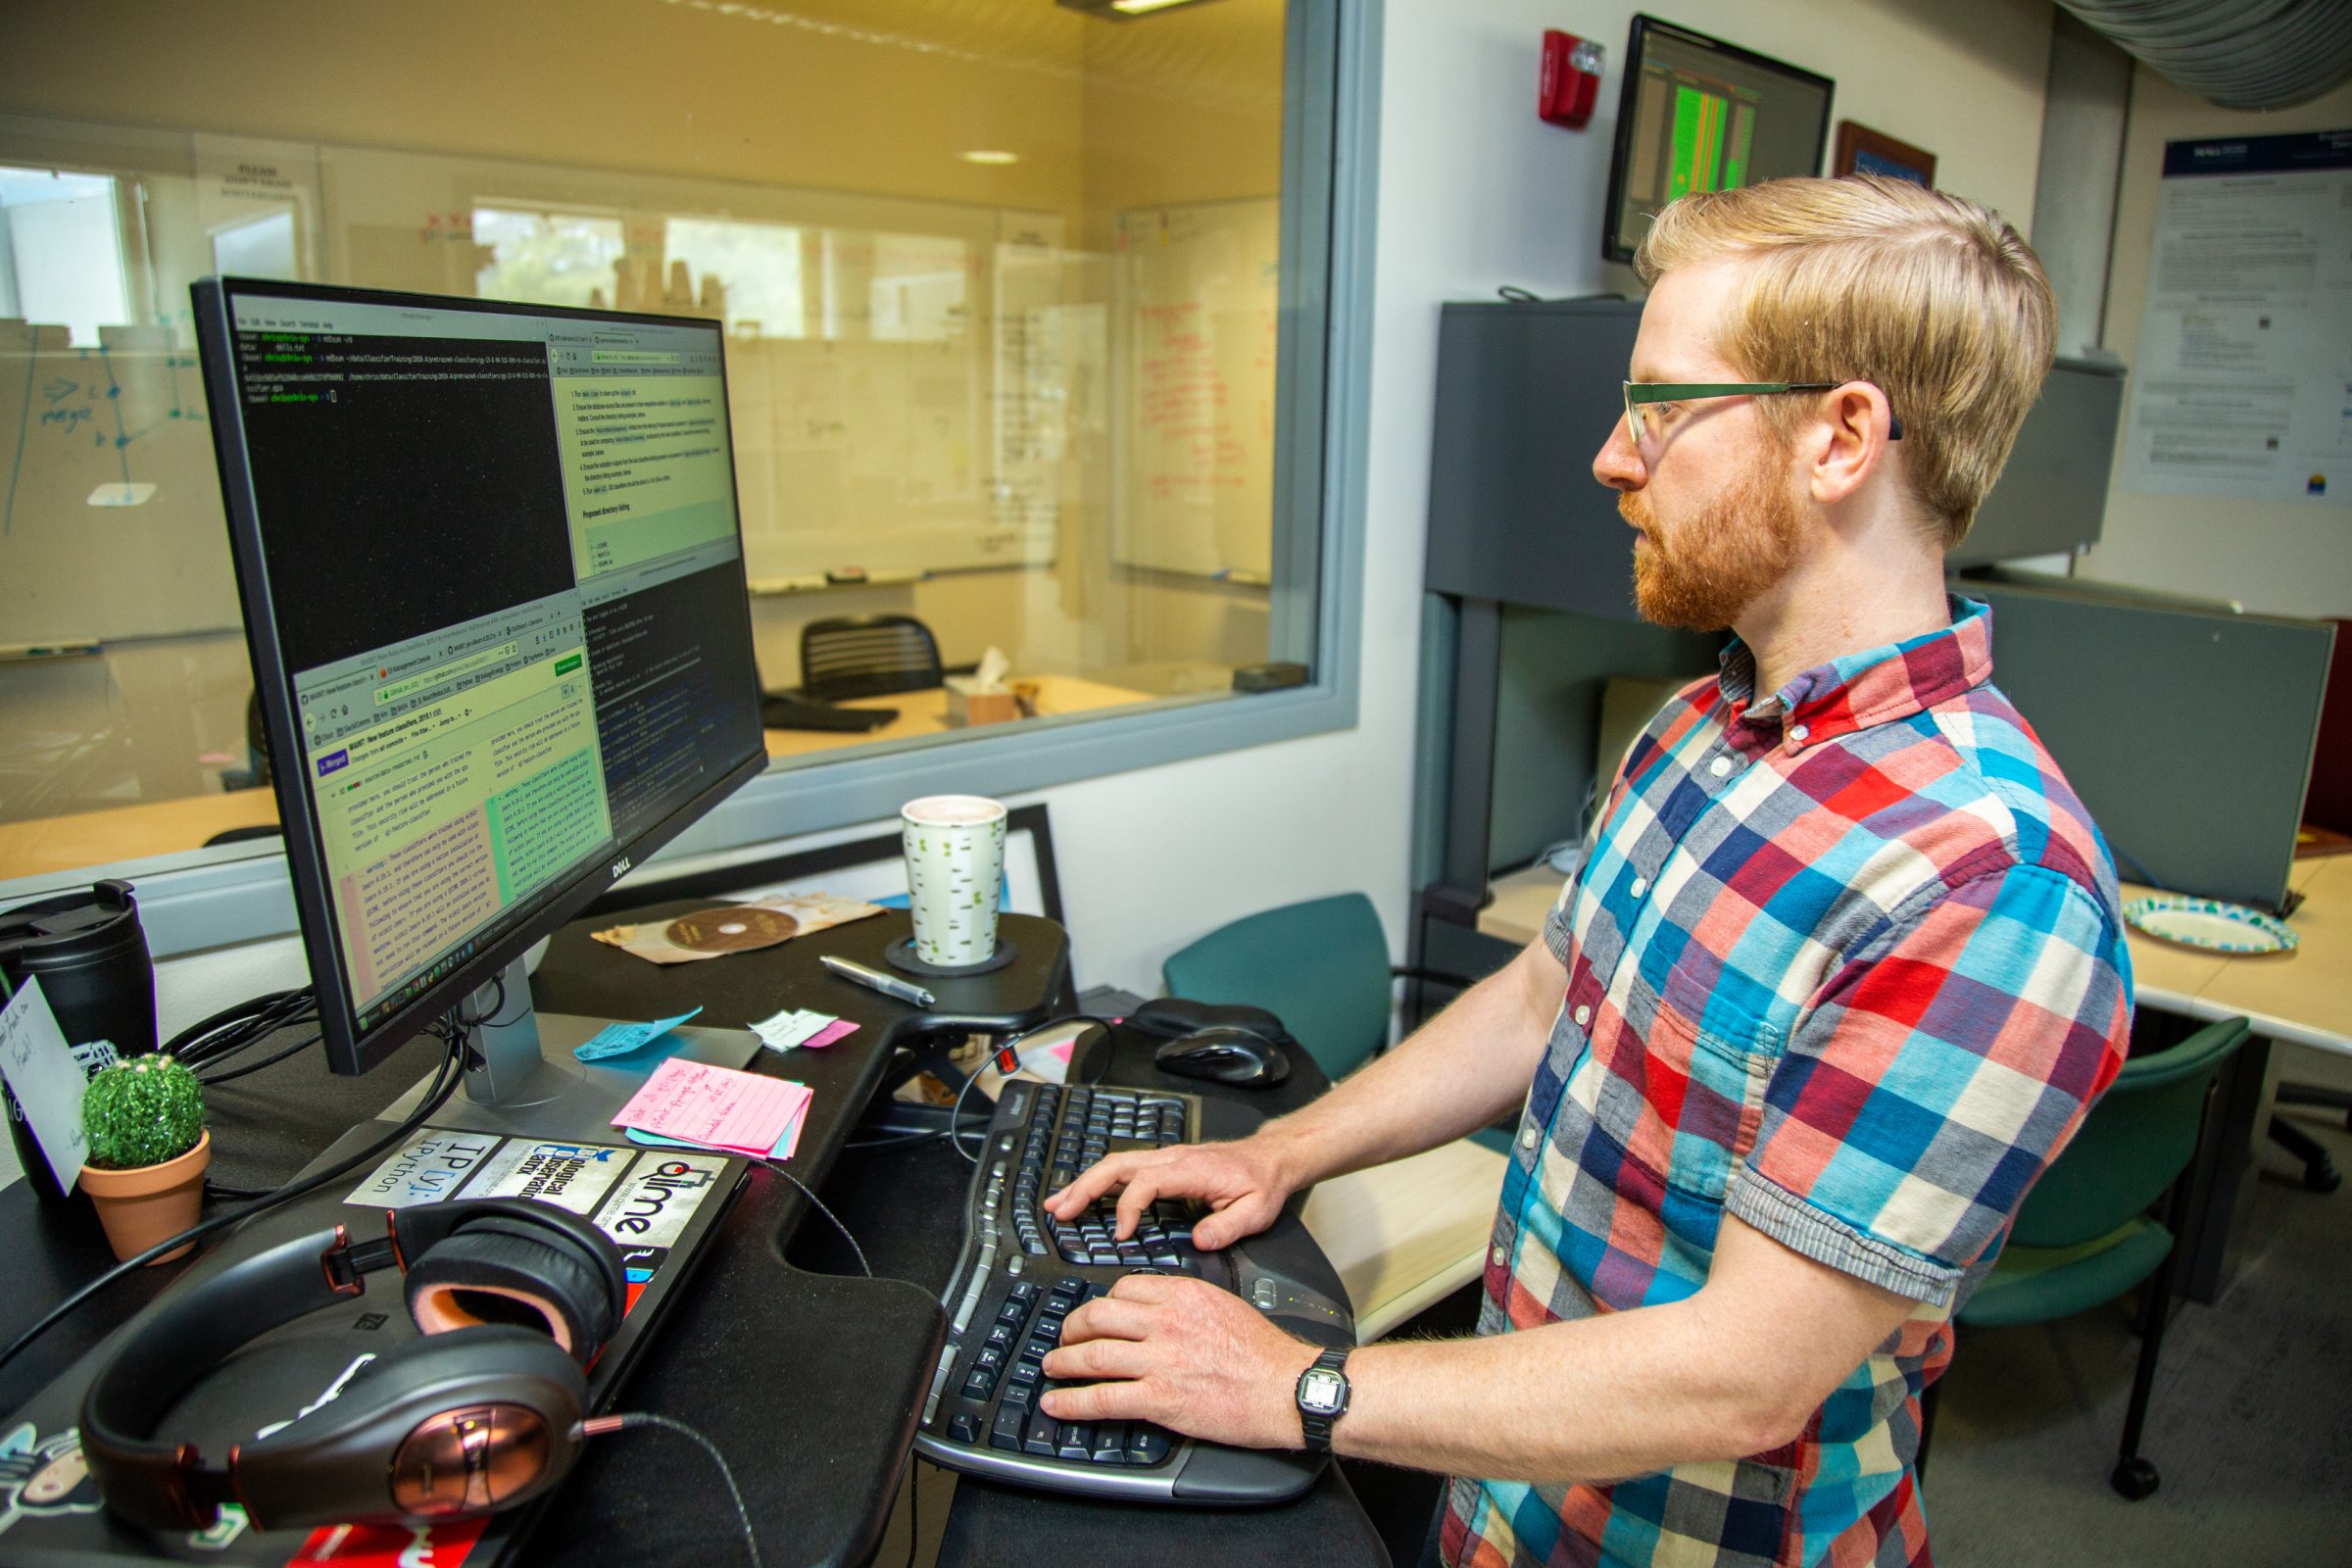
[737,928]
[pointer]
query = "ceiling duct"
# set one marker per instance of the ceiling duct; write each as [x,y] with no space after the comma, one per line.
[2241,54]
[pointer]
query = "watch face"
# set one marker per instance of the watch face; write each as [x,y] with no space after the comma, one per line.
[1321,1389]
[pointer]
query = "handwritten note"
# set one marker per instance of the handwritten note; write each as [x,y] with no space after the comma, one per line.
[46,1080]
[620,1039]
[719,1107]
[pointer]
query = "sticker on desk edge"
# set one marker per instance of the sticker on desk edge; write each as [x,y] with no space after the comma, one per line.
[574,1176]
[663,1193]
[428,1168]
[443,1545]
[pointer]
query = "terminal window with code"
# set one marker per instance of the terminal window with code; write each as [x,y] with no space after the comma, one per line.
[494,543]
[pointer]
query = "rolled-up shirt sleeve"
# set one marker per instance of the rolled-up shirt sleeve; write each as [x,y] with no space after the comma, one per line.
[1935,1075]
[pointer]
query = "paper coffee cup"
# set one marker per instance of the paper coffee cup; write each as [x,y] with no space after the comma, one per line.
[954,867]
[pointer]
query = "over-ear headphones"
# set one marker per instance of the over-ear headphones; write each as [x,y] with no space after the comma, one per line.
[514,1300]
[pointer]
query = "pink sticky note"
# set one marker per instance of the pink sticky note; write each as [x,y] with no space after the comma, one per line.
[831,1032]
[745,1112]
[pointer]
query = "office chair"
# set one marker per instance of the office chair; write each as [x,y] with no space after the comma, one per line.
[2084,1237]
[1403,1236]
[867,656]
[256,775]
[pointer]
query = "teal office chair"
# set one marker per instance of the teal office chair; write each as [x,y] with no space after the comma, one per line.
[2083,1235]
[1322,967]
[1401,1236]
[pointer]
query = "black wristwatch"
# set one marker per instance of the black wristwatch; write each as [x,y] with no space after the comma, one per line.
[1322,1398]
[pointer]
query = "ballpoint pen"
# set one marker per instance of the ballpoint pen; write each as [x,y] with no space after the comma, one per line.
[875,980]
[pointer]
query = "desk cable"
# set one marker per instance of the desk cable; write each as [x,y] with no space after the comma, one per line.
[638,1420]
[446,1079]
[1007,1059]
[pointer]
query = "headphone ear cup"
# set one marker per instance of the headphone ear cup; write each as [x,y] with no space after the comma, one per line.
[393,1446]
[501,1270]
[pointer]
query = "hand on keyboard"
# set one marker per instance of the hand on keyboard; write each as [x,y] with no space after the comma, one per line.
[1183,1354]
[1245,1184]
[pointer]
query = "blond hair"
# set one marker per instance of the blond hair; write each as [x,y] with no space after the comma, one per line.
[1934,299]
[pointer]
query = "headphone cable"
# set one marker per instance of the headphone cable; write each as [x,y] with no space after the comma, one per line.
[777,1167]
[445,1083]
[599,1426]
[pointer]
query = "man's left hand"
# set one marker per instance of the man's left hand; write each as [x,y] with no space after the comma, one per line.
[1179,1352]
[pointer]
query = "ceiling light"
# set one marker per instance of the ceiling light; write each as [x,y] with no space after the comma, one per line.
[1123,10]
[991,156]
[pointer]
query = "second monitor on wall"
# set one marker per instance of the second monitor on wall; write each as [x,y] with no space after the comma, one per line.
[1697,113]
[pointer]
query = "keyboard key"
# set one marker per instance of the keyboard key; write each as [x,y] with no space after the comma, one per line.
[1012,1312]
[965,1428]
[989,1359]
[979,1386]
[1017,1393]
[1077,1441]
[1007,1432]
[1111,1442]
[1001,1336]
[1041,1435]
[1025,1371]
[1147,1443]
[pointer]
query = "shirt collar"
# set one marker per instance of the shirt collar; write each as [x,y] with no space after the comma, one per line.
[1860,690]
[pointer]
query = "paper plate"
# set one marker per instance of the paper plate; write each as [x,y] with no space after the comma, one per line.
[2213,926]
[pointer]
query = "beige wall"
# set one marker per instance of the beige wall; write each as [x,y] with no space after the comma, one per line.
[875,96]
[2274,557]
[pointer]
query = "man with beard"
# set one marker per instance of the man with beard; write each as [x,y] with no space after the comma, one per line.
[1842,974]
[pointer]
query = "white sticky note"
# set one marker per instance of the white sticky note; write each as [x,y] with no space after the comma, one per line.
[792,1026]
[46,1080]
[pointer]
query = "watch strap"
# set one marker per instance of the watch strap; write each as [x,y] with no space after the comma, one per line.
[1314,1425]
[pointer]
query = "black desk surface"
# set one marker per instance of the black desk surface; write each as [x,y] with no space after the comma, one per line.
[807,1375]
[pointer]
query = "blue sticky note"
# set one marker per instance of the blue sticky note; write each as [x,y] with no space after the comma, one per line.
[785,1140]
[620,1039]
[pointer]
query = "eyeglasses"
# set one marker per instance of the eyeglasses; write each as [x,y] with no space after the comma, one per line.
[1638,393]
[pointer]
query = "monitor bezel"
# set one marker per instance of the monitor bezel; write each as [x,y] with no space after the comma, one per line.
[350,1050]
[1612,245]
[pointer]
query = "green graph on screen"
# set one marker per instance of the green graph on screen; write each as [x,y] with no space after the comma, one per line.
[1711,135]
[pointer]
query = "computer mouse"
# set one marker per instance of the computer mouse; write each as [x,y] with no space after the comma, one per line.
[1225,1055]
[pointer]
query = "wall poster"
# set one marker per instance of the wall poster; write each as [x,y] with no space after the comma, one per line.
[2245,381]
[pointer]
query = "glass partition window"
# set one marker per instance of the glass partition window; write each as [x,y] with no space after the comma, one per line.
[1003,290]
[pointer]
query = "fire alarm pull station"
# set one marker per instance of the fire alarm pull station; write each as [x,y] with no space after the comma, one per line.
[1571,79]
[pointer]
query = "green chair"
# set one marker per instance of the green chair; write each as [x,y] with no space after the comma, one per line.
[2083,1235]
[1401,1236]
[1322,967]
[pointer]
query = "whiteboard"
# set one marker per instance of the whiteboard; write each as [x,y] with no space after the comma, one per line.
[888,439]
[1197,306]
[124,427]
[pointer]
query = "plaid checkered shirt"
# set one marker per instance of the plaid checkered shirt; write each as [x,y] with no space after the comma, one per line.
[1845,962]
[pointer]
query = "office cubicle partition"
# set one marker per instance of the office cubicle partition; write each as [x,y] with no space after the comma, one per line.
[2186,727]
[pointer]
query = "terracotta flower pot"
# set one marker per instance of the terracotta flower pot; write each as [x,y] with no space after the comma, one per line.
[140,1207]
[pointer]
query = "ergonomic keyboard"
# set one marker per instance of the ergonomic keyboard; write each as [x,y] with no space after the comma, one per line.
[1022,1272]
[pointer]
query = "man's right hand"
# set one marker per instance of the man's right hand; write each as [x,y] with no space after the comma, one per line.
[1245,1184]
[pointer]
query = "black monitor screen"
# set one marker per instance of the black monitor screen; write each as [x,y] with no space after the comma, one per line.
[493,583]
[1697,113]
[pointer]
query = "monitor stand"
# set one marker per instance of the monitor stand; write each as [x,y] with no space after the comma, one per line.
[522,1079]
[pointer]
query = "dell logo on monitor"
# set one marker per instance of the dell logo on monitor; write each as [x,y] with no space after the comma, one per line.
[620,867]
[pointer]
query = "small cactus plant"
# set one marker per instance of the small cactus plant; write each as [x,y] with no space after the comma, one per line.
[142,1112]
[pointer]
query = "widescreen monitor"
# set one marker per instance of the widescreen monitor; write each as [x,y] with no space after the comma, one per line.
[492,574]
[1697,113]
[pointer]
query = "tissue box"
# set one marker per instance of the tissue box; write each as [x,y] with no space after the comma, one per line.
[968,705]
